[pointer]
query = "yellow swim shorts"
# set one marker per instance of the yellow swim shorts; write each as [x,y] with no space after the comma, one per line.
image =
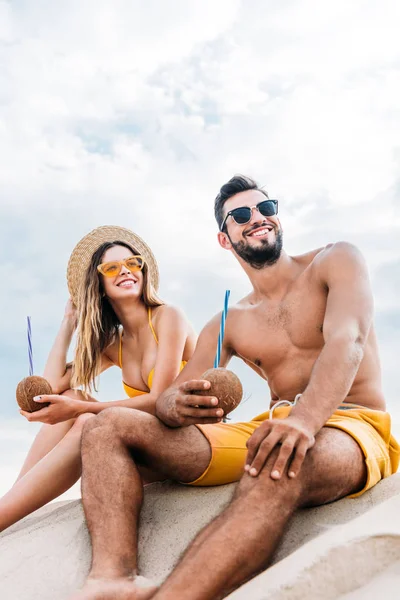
[370,429]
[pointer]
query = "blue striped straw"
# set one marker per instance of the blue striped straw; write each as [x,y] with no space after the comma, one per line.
[222,330]
[30,354]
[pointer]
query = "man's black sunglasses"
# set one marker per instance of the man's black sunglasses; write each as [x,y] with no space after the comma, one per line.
[242,215]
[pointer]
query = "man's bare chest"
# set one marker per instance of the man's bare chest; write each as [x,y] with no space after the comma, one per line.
[270,333]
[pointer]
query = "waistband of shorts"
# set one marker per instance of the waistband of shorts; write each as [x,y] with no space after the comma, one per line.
[345,406]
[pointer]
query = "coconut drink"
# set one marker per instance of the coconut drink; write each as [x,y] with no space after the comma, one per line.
[30,387]
[33,385]
[225,386]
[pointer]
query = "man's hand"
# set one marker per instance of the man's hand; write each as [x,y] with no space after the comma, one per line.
[178,407]
[294,439]
[61,408]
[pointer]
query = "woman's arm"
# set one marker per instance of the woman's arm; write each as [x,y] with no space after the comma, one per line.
[56,371]
[172,333]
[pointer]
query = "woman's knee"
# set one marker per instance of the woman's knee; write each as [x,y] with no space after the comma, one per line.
[81,421]
[75,434]
[80,424]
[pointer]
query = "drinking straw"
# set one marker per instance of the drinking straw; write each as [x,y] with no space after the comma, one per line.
[222,329]
[30,354]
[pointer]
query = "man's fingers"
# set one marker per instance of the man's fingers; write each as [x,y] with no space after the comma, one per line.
[285,453]
[203,413]
[196,401]
[264,450]
[254,442]
[298,459]
[195,385]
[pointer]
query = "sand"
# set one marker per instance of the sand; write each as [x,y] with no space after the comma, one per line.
[349,549]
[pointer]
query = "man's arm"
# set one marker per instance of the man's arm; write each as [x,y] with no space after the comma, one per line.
[348,318]
[178,406]
[347,322]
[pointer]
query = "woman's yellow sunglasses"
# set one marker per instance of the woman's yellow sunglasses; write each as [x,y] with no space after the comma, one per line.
[113,268]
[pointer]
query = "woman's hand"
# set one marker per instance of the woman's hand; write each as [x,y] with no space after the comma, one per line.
[61,408]
[71,314]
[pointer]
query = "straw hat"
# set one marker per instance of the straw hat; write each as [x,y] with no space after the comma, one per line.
[84,250]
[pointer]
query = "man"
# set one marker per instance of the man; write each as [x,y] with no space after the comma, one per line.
[306,328]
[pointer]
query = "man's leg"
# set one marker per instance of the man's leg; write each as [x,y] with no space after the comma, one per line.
[112,489]
[240,542]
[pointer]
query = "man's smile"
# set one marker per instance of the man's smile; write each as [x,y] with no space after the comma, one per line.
[261,231]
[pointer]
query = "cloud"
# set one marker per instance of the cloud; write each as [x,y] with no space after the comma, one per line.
[135,114]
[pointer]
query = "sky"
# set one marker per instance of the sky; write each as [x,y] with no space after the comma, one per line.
[134,114]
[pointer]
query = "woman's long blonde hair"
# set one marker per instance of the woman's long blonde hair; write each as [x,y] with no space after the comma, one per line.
[98,325]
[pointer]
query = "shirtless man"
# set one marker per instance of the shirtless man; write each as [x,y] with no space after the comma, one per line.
[306,328]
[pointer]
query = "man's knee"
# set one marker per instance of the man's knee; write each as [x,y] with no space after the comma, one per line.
[113,424]
[333,468]
[263,488]
[103,426]
[118,417]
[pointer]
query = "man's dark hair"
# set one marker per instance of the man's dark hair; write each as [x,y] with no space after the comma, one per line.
[238,183]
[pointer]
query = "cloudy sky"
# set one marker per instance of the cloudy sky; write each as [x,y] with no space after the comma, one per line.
[134,113]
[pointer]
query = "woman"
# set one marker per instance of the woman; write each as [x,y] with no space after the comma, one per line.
[113,280]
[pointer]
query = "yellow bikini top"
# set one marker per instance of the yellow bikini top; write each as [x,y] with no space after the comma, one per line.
[132,392]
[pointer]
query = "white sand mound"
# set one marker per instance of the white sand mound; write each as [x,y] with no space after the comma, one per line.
[47,555]
[357,560]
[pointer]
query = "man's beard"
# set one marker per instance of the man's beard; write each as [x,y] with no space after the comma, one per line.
[263,256]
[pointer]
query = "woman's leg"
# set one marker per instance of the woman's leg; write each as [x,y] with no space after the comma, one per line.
[50,477]
[49,436]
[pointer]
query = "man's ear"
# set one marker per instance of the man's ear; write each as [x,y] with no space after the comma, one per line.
[224,241]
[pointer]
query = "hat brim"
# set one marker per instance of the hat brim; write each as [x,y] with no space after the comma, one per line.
[81,256]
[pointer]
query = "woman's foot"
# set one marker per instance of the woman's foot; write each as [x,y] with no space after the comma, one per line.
[138,588]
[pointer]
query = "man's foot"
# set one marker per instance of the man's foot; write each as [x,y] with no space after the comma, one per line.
[139,588]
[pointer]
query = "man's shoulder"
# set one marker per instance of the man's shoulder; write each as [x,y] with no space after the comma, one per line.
[332,250]
[335,252]
[338,257]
